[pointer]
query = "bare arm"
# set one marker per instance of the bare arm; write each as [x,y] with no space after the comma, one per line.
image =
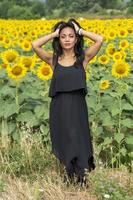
[91,51]
[37,47]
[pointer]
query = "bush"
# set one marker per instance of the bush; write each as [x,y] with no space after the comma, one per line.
[4,7]
[19,12]
[96,8]
[129,10]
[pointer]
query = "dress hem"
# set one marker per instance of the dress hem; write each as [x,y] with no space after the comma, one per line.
[91,165]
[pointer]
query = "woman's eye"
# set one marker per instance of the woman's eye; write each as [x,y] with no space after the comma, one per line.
[64,37]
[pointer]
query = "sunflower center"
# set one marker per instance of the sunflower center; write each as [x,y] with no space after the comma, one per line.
[111,34]
[17,70]
[26,45]
[103,59]
[123,44]
[129,31]
[7,41]
[1,38]
[117,56]
[122,32]
[104,84]
[45,71]
[27,63]
[112,50]
[120,69]
[11,57]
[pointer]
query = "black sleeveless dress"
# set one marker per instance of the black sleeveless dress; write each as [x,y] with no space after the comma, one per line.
[68,119]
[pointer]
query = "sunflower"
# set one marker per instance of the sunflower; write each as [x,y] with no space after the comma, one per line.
[44,72]
[1,37]
[7,42]
[104,84]
[33,34]
[122,33]
[17,71]
[123,44]
[111,34]
[129,29]
[28,62]
[15,33]
[117,56]
[110,50]
[26,45]
[104,59]
[120,69]
[9,56]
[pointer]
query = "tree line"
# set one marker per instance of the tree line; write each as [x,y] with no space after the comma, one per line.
[32,9]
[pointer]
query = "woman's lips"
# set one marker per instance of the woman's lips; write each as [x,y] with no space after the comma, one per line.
[67,44]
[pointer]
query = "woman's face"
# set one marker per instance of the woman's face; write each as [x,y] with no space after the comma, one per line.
[67,38]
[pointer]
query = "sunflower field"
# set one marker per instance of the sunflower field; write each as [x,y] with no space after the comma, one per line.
[25,81]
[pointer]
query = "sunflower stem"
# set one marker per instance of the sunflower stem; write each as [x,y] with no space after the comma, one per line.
[119,123]
[17,98]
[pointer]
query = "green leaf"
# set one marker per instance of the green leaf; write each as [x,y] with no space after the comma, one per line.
[16,135]
[44,130]
[129,139]
[115,110]
[118,137]
[123,151]
[98,131]
[2,104]
[46,114]
[6,90]
[127,106]
[11,127]
[25,116]
[107,100]
[39,111]
[127,123]
[9,110]
[28,117]
[107,120]
[98,107]
[92,102]
[130,96]
[107,140]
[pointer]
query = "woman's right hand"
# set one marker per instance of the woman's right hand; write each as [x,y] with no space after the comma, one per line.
[56,32]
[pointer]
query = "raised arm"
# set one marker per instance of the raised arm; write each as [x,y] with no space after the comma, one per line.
[37,47]
[91,51]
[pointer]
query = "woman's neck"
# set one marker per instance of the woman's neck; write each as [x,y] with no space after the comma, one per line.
[67,56]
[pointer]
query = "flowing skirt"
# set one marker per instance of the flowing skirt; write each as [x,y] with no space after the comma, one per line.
[70,133]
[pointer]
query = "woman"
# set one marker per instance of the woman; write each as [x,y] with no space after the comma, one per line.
[68,119]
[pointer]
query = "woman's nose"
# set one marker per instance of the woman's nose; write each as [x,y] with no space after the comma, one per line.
[67,38]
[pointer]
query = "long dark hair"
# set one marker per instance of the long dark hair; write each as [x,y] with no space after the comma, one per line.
[78,48]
